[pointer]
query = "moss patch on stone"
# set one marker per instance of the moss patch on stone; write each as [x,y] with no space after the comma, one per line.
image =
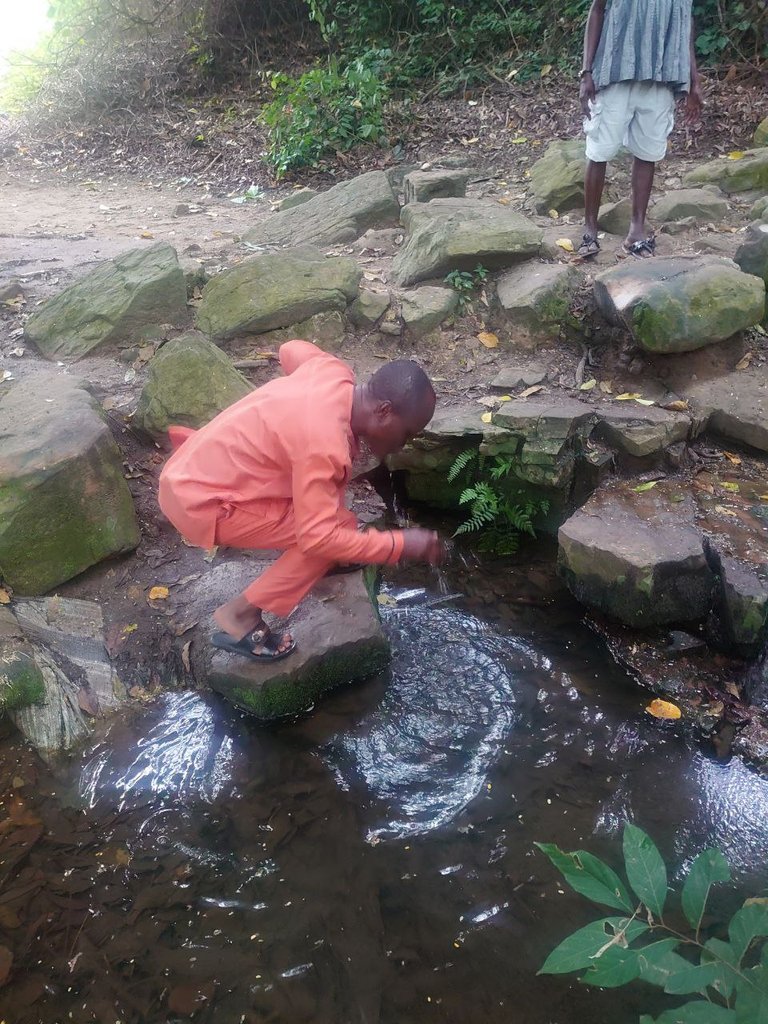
[21,681]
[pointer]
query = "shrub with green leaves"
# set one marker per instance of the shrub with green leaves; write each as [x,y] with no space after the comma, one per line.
[726,977]
[466,282]
[327,109]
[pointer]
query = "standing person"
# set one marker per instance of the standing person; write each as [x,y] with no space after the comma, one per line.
[271,471]
[638,58]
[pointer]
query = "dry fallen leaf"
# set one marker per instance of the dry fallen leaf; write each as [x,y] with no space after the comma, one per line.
[678,406]
[644,401]
[565,243]
[725,511]
[733,689]
[627,396]
[588,384]
[645,487]
[531,390]
[606,386]
[489,400]
[663,709]
[487,417]
[158,593]
[5,597]
[146,234]
[732,458]
[386,601]
[488,339]
[727,485]
[744,362]
[185,657]
[553,214]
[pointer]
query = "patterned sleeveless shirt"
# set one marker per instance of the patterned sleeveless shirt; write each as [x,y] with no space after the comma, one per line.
[645,41]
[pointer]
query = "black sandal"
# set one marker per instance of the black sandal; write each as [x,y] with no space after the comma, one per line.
[589,247]
[641,249]
[263,637]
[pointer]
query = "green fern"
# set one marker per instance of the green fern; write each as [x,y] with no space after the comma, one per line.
[460,463]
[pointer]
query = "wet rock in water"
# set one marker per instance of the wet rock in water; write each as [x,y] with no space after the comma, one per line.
[116,304]
[368,307]
[55,672]
[680,303]
[189,382]
[743,175]
[641,432]
[459,234]
[534,300]
[510,377]
[339,640]
[557,178]
[697,205]
[297,198]
[761,134]
[64,503]
[615,217]
[276,289]
[741,604]
[423,186]
[426,308]
[734,407]
[629,556]
[752,254]
[341,214]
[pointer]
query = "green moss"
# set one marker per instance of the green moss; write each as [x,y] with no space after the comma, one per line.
[21,683]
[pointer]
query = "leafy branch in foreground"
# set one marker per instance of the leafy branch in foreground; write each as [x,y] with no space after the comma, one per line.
[728,977]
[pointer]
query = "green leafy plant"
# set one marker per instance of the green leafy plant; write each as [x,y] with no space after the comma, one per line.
[727,976]
[465,283]
[325,110]
[500,515]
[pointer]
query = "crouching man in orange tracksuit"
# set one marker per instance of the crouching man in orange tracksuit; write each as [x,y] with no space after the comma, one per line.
[271,470]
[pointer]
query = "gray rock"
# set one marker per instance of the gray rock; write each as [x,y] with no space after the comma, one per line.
[759,209]
[116,304]
[741,604]
[615,217]
[386,241]
[296,198]
[510,377]
[422,186]
[341,214]
[680,303]
[640,432]
[761,134]
[627,557]
[426,308]
[368,307]
[557,179]
[189,382]
[339,640]
[752,254]
[11,290]
[275,290]
[459,234]
[718,245]
[734,407]
[326,330]
[534,300]
[697,205]
[750,172]
[64,503]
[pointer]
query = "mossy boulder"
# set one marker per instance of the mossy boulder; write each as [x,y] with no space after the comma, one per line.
[752,254]
[117,304]
[426,308]
[189,382]
[368,307]
[760,139]
[697,204]
[459,234]
[759,209]
[680,303]
[615,217]
[745,174]
[276,289]
[557,178]
[339,640]
[64,503]
[534,300]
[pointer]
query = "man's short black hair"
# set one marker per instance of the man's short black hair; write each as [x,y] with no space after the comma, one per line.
[404,385]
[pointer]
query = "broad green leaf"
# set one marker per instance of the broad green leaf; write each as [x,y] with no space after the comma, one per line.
[589,877]
[615,967]
[709,867]
[695,978]
[747,924]
[645,869]
[722,953]
[752,997]
[700,1012]
[580,949]
[659,961]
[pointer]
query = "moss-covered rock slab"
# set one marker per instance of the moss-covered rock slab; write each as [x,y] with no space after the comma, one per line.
[341,214]
[459,234]
[680,303]
[615,217]
[698,204]
[426,308]
[745,174]
[339,640]
[734,407]
[64,503]
[116,304]
[424,186]
[640,431]
[557,178]
[534,300]
[276,289]
[189,381]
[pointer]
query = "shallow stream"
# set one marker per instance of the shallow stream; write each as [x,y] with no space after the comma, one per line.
[374,862]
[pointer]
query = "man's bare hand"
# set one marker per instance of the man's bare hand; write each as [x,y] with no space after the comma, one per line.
[694,101]
[587,93]
[423,546]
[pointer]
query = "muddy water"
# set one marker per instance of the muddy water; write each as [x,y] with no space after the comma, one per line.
[374,862]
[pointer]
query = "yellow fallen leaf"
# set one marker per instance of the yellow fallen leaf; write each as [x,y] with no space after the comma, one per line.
[588,384]
[736,154]
[553,214]
[488,339]
[663,709]
[645,487]
[728,486]
[627,396]
[744,362]
[644,401]
[506,398]
[487,417]
[762,497]
[127,630]
[5,597]
[546,70]
[159,593]
[565,243]
[732,458]
[146,234]
[519,141]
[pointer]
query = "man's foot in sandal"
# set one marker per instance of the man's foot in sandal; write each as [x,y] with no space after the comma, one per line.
[260,644]
[640,248]
[589,247]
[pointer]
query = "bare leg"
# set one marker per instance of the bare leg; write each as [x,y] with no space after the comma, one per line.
[238,618]
[594,181]
[642,183]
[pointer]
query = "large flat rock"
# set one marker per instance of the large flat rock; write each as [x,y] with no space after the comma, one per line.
[339,640]
[459,234]
[734,407]
[116,304]
[341,214]
[640,431]
[276,289]
[64,503]
[742,175]
[680,303]
[698,204]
